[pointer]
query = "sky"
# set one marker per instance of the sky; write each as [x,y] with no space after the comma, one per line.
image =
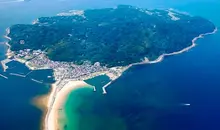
[21,12]
[101,3]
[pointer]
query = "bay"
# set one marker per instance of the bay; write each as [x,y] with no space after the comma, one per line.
[148,96]
[181,92]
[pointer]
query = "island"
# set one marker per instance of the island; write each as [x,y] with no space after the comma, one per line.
[81,44]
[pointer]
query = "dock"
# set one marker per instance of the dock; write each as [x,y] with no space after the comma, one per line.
[94,88]
[28,73]
[4,62]
[104,87]
[3,76]
[37,81]
[19,75]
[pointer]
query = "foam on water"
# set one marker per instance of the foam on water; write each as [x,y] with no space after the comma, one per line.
[8,2]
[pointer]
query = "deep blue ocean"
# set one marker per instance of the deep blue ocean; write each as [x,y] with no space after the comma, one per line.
[146,96]
[162,89]
[17,109]
[157,92]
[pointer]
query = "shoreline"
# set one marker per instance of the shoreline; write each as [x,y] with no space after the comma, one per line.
[56,101]
[69,85]
[161,57]
[9,53]
[41,103]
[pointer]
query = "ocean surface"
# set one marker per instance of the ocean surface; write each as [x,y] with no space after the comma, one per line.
[180,93]
[152,97]
[18,110]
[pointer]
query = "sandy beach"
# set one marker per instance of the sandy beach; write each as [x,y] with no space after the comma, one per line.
[58,94]
[57,100]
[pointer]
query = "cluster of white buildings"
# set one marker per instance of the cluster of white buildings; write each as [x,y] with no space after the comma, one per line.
[36,59]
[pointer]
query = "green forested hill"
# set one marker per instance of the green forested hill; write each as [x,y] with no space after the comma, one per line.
[112,36]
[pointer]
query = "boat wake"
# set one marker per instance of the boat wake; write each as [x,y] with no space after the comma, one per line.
[12,1]
[185,104]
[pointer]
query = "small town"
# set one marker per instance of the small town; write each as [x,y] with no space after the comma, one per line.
[37,59]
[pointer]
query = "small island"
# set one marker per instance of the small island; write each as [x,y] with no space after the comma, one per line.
[81,44]
[113,37]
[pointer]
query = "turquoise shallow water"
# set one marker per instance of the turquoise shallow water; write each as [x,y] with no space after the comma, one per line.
[153,96]
[148,96]
[16,93]
[98,82]
[81,113]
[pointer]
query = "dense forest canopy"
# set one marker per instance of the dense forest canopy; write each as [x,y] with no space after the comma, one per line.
[112,36]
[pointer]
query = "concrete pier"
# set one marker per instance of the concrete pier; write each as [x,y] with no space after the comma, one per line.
[40,82]
[14,74]
[104,87]
[3,76]
[4,62]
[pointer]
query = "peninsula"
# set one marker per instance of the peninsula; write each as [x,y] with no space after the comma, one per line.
[79,45]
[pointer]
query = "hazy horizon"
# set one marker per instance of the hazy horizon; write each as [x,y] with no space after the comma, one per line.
[26,12]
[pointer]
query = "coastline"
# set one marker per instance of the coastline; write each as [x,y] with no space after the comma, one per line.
[161,57]
[56,101]
[57,96]
[9,53]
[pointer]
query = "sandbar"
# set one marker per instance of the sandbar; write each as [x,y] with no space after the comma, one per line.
[56,102]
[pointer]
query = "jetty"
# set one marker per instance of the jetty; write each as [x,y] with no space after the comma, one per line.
[104,87]
[28,73]
[4,62]
[3,76]
[19,75]
[94,88]
[37,81]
